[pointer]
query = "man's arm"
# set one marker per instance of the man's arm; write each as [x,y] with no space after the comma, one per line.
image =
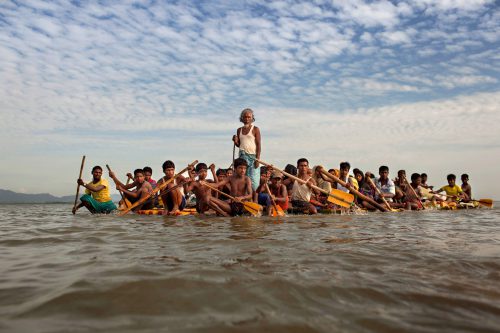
[236,138]
[214,174]
[90,187]
[248,190]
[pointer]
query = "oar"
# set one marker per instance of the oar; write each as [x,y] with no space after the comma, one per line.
[277,209]
[253,208]
[484,202]
[413,191]
[78,186]
[158,188]
[335,196]
[359,194]
[121,193]
[234,150]
[380,194]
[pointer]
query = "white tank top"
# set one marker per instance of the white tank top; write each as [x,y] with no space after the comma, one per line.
[301,191]
[247,142]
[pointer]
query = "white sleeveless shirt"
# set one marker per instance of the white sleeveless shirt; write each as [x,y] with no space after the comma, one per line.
[247,142]
[301,191]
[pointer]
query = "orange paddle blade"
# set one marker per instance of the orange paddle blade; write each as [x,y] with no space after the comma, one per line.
[485,202]
[278,211]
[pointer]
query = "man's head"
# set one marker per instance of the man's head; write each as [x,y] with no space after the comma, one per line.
[221,174]
[97,173]
[139,176]
[148,172]
[451,179]
[423,176]
[383,172]
[465,178]
[416,178]
[229,172]
[276,177]
[240,166]
[344,169]
[168,168]
[201,170]
[247,116]
[303,165]
[401,174]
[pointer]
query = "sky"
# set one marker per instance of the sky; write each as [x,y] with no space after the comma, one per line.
[409,84]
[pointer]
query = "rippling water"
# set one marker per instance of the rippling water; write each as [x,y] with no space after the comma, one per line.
[433,271]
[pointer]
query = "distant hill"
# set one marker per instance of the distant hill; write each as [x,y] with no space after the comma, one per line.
[7,196]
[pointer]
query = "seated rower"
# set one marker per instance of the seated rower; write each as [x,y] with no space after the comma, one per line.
[172,196]
[386,187]
[323,183]
[262,197]
[96,198]
[413,201]
[344,176]
[201,192]
[278,190]
[288,182]
[424,182]
[240,187]
[148,172]
[466,187]
[453,191]
[301,193]
[142,189]
[401,187]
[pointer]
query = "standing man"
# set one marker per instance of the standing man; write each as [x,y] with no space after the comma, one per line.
[96,198]
[248,139]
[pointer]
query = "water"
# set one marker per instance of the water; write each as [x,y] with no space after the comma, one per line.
[434,271]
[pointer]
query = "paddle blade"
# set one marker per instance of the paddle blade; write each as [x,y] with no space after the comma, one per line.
[485,202]
[252,207]
[341,195]
[340,198]
[278,211]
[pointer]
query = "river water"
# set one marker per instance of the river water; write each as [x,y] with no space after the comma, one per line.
[431,271]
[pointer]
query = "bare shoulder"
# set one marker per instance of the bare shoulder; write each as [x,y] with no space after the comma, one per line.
[147,186]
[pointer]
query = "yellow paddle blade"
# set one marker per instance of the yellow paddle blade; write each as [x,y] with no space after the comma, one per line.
[341,195]
[278,211]
[252,207]
[336,201]
[485,202]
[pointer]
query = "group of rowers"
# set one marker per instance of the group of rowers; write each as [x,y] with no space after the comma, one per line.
[299,186]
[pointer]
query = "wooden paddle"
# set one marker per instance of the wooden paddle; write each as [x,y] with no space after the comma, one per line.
[78,186]
[126,202]
[253,208]
[359,194]
[278,211]
[335,196]
[158,188]
[485,202]
[413,191]
[380,194]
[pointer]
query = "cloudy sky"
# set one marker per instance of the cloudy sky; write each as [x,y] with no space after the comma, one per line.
[410,84]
